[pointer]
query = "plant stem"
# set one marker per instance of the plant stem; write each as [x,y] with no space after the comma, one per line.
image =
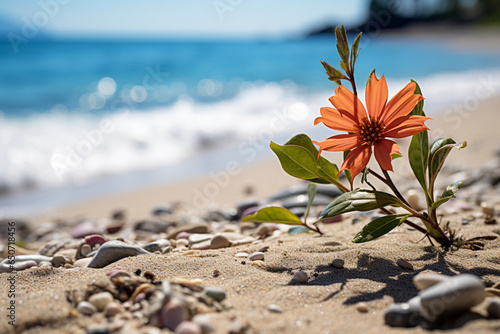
[393,187]
[353,84]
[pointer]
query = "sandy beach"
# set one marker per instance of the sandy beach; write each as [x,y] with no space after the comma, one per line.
[261,296]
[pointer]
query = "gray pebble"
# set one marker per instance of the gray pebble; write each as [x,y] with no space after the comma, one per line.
[216,294]
[22,262]
[451,297]
[18,266]
[300,277]
[59,261]
[493,307]
[426,280]
[274,308]
[113,251]
[264,249]
[404,264]
[101,299]
[156,246]
[338,263]
[404,314]
[256,256]
[219,241]
[86,308]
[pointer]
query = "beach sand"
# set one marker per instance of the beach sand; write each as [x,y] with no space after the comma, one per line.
[329,302]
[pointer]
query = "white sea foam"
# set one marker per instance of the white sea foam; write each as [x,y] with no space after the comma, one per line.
[57,149]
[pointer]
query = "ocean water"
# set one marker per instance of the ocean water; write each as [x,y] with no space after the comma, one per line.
[86,118]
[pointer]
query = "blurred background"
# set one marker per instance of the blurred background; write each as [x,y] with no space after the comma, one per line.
[98,97]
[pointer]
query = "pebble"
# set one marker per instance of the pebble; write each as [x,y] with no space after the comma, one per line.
[188,228]
[216,294]
[404,314]
[256,256]
[17,266]
[413,198]
[241,255]
[451,297]
[59,261]
[154,225]
[404,264]
[163,209]
[219,241]
[188,327]
[95,239]
[113,309]
[362,307]
[274,308]
[82,263]
[172,314]
[337,263]
[203,320]
[264,249]
[183,235]
[264,230]
[493,307]
[198,237]
[156,246]
[85,250]
[113,251]
[101,299]
[487,209]
[84,229]
[181,243]
[426,280]
[115,226]
[300,277]
[86,308]
[201,245]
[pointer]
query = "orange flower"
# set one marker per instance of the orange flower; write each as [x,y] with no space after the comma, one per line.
[384,119]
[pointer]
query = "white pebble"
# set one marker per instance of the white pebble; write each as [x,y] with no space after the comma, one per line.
[256,256]
[86,249]
[101,299]
[241,255]
[487,209]
[86,308]
[426,280]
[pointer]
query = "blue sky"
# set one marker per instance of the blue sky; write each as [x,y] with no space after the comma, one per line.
[181,18]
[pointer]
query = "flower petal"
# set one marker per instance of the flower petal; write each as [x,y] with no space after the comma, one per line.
[333,119]
[401,104]
[384,149]
[357,160]
[348,104]
[376,96]
[338,143]
[406,126]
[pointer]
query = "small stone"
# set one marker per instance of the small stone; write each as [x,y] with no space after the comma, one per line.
[86,308]
[216,294]
[84,229]
[403,315]
[216,273]
[95,239]
[201,245]
[153,225]
[337,263]
[451,297]
[113,251]
[183,235]
[113,309]
[163,210]
[203,320]
[85,250]
[264,230]
[82,263]
[115,226]
[22,262]
[256,256]
[300,277]
[198,237]
[241,255]
[273,308]
[264,249]
[59,261]
[404,264]
[188,228]
[487,209]
[219,241]
[426,280]
[188,327]
[101,299]
[493,307]
[172,315]
[181,243]
[362,307]
[17,266]
[413,198]
[156,246]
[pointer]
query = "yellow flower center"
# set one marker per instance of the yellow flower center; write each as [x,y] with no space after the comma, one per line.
[371,131]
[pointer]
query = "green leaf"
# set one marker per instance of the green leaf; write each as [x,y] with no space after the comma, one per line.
[342,44]
[448,193]
[370,76]
[346,171]
[333,74]
[354,50]
[378,227]
[359,200]
[344,66]
[273,214]
[299,158]
[440,149]
[418,152]
[311,192]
